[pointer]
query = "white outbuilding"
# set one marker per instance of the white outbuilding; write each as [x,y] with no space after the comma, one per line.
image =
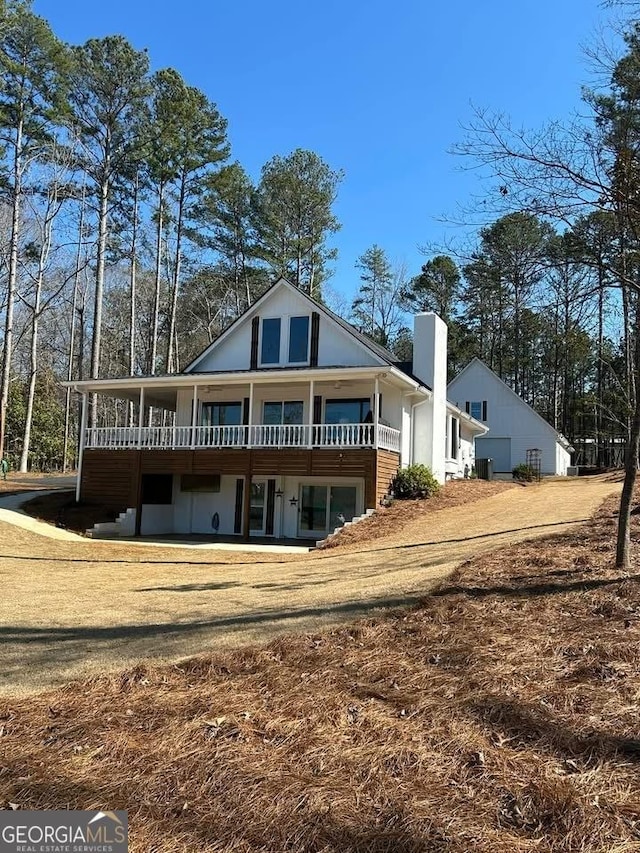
[514,427]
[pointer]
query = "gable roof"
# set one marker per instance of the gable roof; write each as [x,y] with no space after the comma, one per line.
[381,352]
[475,360]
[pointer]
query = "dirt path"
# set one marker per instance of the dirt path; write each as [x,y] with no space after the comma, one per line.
[69,609]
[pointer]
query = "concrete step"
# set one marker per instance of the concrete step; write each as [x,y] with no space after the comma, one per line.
[124,525]
[338,530]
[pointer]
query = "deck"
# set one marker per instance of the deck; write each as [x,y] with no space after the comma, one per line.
[311,436]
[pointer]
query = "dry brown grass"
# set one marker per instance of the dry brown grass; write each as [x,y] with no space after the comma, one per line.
[33,480]
[70,609]
[499,716]
[393,519]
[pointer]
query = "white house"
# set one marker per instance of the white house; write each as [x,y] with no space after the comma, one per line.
[514,427]
[290,422]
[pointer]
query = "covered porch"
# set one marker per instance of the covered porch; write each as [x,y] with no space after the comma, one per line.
[366,435]
[345,408]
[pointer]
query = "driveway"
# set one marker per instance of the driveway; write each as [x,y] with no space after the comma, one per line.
[70,609]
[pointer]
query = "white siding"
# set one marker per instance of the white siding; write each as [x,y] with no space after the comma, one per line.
[563,459]
[156,519]
[430,365]
[336,346]
[181,508]
[465,456]
[204,505]
[184,402]
[405,436]
[507,415]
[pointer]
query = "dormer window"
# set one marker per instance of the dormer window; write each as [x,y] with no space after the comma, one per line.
[298,340]
[270,348]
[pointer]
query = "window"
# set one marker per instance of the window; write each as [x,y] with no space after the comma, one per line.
[348,411]
[298,339]
[200,483]
[221,414]
[289,412]
[157,489]
[257,507]
[477,409]
[270,352]
[453,439]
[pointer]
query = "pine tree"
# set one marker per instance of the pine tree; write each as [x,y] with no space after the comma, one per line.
[32,61]
[107,86]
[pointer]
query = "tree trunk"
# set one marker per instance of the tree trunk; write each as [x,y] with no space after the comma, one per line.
[623,543]
[156,295]
[132,294]
[33,359]
[7,352]
[600,390]
[33,374]
[72,336]
[98,299]
[176,276]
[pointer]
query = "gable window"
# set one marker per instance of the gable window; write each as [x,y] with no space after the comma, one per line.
[477,409]
[270,349]
[221,414]
[348,411]
[298,340]
[287,412]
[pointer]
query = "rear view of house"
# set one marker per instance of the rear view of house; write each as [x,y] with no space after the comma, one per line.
[514,427]
[287,425]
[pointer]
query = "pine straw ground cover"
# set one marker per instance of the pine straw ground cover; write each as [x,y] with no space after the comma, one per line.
[501,715]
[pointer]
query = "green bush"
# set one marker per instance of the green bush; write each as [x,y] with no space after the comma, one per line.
[416,481]
[524,472]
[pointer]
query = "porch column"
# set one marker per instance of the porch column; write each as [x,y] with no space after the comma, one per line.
[194,416]
[140,417]
[376,411]
[310,418]
[83,433]
[249,442]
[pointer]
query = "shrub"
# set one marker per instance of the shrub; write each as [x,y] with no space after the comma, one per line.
[525,472]
[416,481]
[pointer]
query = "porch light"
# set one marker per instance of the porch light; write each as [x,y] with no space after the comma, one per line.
[293,501]
[279,493]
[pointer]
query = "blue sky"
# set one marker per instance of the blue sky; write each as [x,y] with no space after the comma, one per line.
[378,89]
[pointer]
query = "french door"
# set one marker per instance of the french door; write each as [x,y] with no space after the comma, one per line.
[262,507]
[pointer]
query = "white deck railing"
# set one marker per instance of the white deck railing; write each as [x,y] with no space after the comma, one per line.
[258,435]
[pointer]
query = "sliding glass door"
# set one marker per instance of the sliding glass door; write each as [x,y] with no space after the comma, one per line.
[324,507]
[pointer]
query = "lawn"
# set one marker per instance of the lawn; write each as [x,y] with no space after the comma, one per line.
[70,609]
[501,714]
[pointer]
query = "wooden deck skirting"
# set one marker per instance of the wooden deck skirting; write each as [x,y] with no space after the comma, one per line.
[112,477]
[386,469]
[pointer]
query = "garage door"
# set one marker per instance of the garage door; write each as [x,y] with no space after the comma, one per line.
[498,449]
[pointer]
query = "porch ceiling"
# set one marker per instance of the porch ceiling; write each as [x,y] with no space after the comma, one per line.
[159,398]
[162,391]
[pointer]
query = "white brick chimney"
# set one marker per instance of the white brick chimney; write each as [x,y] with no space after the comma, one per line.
[430,367]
